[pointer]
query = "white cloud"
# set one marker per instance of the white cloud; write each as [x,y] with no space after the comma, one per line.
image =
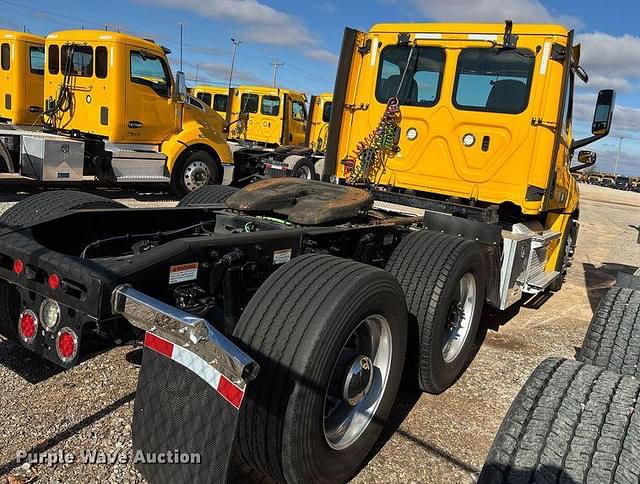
[260,23]
[492,11]
[322,55]
[219,71]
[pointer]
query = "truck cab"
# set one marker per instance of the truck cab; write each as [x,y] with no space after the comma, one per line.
[215,97]
[21,77]
[318,124]
[267,116]
[117,94]
[477,114]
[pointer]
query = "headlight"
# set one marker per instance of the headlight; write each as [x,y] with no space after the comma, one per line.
[49,313]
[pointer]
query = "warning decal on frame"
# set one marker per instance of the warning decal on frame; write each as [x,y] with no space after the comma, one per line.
[183,273]
[281,256]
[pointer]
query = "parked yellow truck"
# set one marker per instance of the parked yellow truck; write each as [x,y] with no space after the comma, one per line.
[21,77]
[318,124]
[279,317]
[115,114]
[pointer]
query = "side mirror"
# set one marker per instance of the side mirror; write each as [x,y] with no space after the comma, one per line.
[181,87]
[601,119]
[586,159]
[604,112]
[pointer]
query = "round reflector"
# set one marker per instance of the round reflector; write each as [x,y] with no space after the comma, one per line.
[28,326]
[18,266]
[54,281]
[66,344]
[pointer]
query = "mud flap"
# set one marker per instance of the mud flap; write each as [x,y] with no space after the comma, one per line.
[190,389]
[182,418]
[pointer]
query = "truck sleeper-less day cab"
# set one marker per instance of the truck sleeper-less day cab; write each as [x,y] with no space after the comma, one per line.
[318,125]
[21,78]
[112,114]
[278,317]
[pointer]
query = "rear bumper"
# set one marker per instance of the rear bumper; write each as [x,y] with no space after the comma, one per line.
[190,389]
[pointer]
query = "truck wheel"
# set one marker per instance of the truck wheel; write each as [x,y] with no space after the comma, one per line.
[569,240]
[304,168]
[330,336]
[192,172]
[613,338]
[211,194]
[570,422]
[31,209]
[443,278]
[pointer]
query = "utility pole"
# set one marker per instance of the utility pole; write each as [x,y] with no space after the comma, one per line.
[275,65]
[615,169]
[236,43]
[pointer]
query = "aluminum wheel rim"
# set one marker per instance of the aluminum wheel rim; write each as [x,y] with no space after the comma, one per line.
[196,175]
[304,172]
[460,318]
[344,423]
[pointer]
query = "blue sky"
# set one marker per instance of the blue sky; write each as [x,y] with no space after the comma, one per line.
[305,36]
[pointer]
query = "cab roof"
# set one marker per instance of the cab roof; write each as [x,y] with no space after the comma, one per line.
[471,28]
[98,36]
[22,36]
[267,90]
[212,89]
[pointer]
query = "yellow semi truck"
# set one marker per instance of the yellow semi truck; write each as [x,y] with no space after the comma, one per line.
[115,114]
[213,96]
[318,124]
[279,317]
[21,78]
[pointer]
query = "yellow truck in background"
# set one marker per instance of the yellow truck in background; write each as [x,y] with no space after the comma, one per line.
[215,97]
[21,78]
[115,114]
[318,123]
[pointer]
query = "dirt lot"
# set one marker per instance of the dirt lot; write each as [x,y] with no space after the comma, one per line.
[429,439]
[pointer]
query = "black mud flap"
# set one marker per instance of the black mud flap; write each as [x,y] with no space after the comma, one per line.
[185,416]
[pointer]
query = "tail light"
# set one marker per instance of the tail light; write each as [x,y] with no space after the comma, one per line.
[18,266]
[54,281]
[66,344]
[28,326]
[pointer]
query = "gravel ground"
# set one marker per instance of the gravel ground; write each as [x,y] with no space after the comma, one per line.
[428,439]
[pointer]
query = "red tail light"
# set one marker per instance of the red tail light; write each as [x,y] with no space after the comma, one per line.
[66,344]
[28,326]
[18,266]
[54,281]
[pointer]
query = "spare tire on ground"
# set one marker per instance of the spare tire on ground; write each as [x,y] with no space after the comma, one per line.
[570,423]
[613,338]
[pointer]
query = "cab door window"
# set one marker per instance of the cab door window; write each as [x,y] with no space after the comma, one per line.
[422,68]
[270,105]
[298,111]
[5,56]
[36,60]
[326,112]
[494,80]
[150,71]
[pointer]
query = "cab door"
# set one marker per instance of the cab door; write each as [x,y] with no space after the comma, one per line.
[150,108]
[296,120]
[269,122]
[34,80]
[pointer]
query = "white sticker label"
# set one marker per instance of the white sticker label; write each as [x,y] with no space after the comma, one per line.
[183,273]
[281,256]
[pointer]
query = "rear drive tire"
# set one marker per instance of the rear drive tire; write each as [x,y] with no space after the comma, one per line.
[210,194]
[565,258]
[32,209]
[304,168]
[193,171]
[613,338]
[436,271]
[311,326]
[569,423]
